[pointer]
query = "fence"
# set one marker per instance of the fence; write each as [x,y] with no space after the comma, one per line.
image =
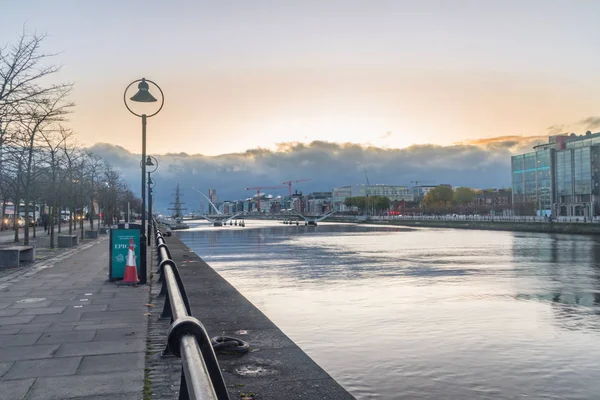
[482,218]
[201,376]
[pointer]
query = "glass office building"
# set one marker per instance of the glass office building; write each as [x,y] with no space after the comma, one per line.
[577,180]
[560,178]
[532,181]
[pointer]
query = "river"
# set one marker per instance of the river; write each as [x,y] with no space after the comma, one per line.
[397,313]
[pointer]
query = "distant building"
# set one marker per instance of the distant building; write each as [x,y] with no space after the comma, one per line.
[419,192]
[498,200]
[338,195]
[212,195]
[392,192]
[559,178]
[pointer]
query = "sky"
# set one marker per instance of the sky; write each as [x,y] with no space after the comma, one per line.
[246,74]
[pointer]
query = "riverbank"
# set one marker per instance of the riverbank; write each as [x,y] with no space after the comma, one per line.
[275,367]
[542,227]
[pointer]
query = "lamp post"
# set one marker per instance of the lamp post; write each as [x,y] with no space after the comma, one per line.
[143,96]
[150,163]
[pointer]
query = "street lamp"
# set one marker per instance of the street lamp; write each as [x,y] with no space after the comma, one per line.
[152,164]
[143,95]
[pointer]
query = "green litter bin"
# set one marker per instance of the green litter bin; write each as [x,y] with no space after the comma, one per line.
[120,236]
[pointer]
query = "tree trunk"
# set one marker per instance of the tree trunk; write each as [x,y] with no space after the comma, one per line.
[3,214]
[17,210]
[81,223]
[51,226]
[34,233]
[59,208]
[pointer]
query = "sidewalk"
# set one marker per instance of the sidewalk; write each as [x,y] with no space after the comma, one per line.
[68,333]
[8,235]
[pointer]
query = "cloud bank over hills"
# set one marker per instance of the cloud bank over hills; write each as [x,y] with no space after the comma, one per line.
[479,163]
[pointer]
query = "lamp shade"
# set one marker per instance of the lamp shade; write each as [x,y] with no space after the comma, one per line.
[149,162]
[143,95]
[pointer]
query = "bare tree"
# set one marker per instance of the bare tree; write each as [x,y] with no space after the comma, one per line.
[93,170]
[54,140]
[38,113]
[26,106]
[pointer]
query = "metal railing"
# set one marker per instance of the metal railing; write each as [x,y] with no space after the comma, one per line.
[473,218]
[201,376]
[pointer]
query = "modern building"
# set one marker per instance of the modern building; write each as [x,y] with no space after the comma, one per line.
[497,200]
[559,178]
[532,181]
[577,177]
[338,195]
[419,192]
[392,192]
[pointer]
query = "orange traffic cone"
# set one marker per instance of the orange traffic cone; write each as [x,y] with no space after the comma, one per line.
[130,275]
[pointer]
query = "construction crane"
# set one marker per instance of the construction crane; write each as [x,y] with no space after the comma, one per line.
[258,189]
[289,184]
[366,176]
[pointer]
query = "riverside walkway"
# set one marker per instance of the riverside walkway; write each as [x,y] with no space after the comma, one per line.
[68,333]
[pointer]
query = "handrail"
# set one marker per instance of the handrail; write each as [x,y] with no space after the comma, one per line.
[201,376]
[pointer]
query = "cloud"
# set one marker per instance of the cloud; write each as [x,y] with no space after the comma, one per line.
[556,129]
[512,143]
[386,135]
[475,163]
[591,122]
[588,123]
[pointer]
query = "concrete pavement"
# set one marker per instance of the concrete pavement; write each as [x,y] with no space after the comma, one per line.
[67,333]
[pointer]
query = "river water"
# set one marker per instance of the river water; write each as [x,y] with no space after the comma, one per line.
[395,313]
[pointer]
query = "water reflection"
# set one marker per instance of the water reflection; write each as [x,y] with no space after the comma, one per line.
[425,313]
[563,271]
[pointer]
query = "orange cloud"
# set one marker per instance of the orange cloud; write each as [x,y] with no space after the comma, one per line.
[507,141]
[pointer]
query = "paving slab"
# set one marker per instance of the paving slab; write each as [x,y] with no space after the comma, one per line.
[21,327]
[41,368]
[48,351]
[37,304]
[93,348]
[118,334]
[15,353]
[42,311]
[9,312]
[86,307]
[129,305]
[101,326]
[113,396]
[15,389]
[19,319]
[66,337]
[67,316]
[47,327]
[68,387]
[111,315]
[22,339]
[4,366]
[112,363]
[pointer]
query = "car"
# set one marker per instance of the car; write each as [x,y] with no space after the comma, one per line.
[22,221]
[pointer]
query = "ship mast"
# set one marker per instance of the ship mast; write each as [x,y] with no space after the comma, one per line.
[177,209]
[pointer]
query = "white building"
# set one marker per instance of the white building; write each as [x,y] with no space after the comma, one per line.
[338,195]
[392,192]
